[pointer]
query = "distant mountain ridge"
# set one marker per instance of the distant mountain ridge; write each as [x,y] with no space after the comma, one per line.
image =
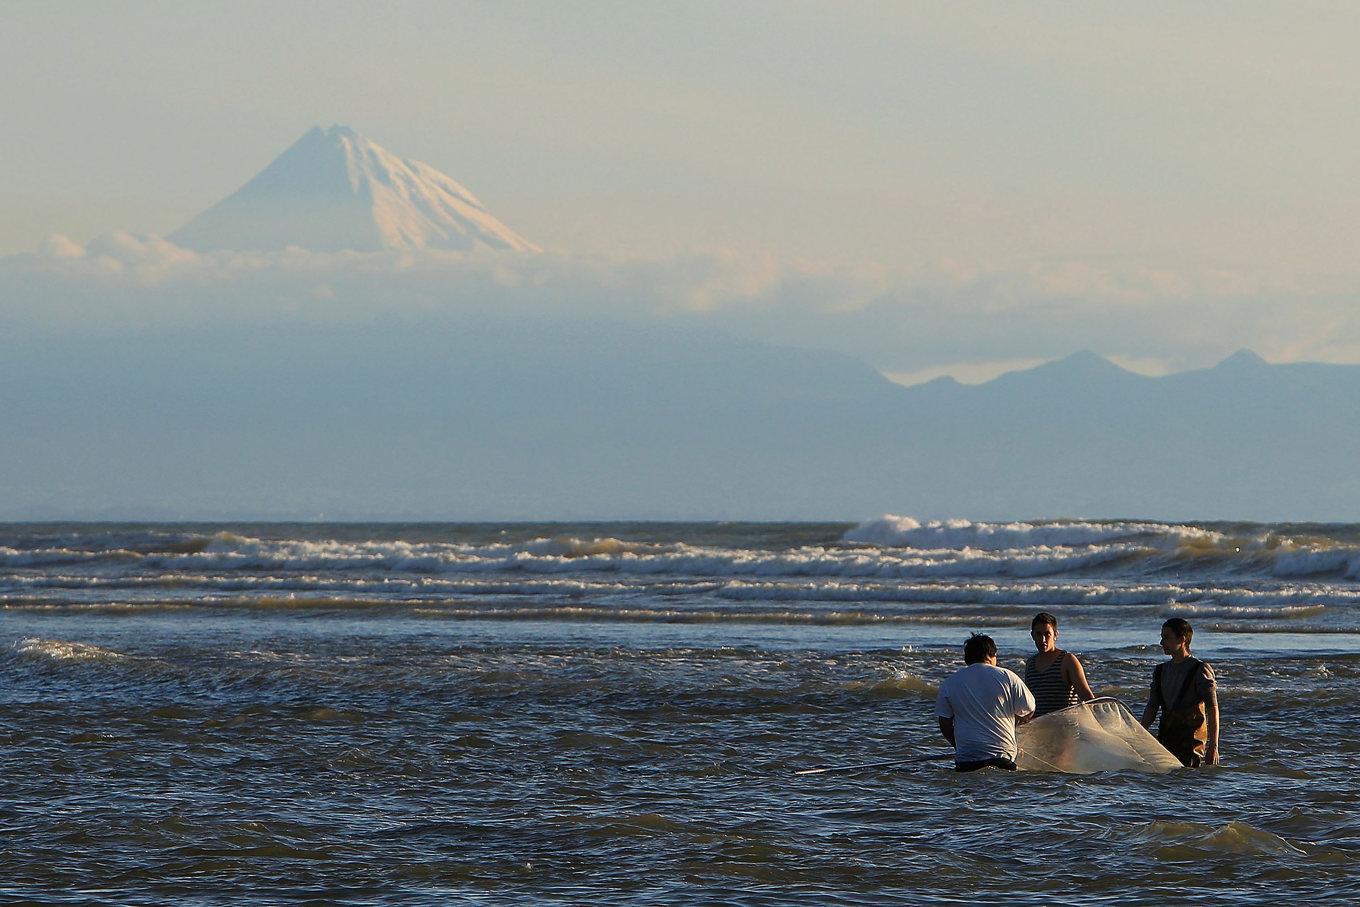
[1241,439]
[560,418]
[335,190]
[1087,365]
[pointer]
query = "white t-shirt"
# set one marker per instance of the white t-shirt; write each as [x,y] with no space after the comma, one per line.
[984,701]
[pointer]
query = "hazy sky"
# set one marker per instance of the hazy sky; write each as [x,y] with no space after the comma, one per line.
[1157,155]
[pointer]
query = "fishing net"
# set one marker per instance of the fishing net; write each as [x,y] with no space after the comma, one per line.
[1096,736]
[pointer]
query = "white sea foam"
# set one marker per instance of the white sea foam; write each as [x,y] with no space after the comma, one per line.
[1285,612]
[63,650]
[1021,595]
[41,557]
[1305,594]
[237,570]
[552,556]
[895,531]
[568,546]
[845,617]
[956,550]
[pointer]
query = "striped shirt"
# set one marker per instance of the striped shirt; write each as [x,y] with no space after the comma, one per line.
[1051,691]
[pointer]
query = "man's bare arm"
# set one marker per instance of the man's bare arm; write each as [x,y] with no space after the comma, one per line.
[1149,714]
[1211,720]
[1076,676]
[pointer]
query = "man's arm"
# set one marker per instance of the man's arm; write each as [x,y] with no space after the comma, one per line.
[1211,720]
[1076,676]
[1154,699]
[944,711]
[1024,703]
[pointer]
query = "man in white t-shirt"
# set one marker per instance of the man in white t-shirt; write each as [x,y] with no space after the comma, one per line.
[979,706]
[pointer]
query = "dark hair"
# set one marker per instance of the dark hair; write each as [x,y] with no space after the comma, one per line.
[1181,627]
[1043,617]
[978,647]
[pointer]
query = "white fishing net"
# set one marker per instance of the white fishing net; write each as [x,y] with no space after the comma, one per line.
[1096,736]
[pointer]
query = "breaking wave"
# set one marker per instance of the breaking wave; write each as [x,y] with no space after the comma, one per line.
[1158,546]
[890,548]
[905,532]
[892,569]
[548,556]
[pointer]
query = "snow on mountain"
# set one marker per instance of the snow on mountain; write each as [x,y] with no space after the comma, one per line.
[336,190]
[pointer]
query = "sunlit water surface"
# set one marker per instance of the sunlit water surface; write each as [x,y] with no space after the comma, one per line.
[614,714]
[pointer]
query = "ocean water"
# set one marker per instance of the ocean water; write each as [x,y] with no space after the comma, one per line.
[613,713]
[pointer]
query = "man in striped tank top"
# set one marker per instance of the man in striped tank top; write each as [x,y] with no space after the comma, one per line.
[1055,677]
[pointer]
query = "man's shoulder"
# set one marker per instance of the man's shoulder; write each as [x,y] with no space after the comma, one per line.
[1009,675]
[1198,666]
[1018,687]
[952,680]
[992,674]
[963,675]
[1189,667]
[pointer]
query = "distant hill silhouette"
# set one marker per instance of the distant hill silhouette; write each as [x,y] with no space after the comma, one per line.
[562,418]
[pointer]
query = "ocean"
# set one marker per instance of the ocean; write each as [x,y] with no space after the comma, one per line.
[614,713]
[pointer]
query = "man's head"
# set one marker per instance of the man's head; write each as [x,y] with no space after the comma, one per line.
[1176,632]
[1044,631]
[978,648]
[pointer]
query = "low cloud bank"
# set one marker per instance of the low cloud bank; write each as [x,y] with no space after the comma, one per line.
[899,321]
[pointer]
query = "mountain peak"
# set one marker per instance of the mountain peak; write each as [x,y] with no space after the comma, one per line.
[1242,359]
[338,131]
[334,190]
[1086,359]
[1081,365]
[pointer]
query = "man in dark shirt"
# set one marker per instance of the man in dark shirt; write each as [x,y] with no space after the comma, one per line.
[1185,692]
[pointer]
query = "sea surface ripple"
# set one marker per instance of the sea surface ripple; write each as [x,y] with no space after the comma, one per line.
[613,713]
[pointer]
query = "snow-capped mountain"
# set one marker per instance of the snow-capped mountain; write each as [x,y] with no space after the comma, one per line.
[335,190]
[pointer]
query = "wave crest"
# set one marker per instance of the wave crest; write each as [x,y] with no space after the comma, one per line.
[63,650]
[893,531]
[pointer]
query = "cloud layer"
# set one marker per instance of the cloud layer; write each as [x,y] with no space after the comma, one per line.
[914,321]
